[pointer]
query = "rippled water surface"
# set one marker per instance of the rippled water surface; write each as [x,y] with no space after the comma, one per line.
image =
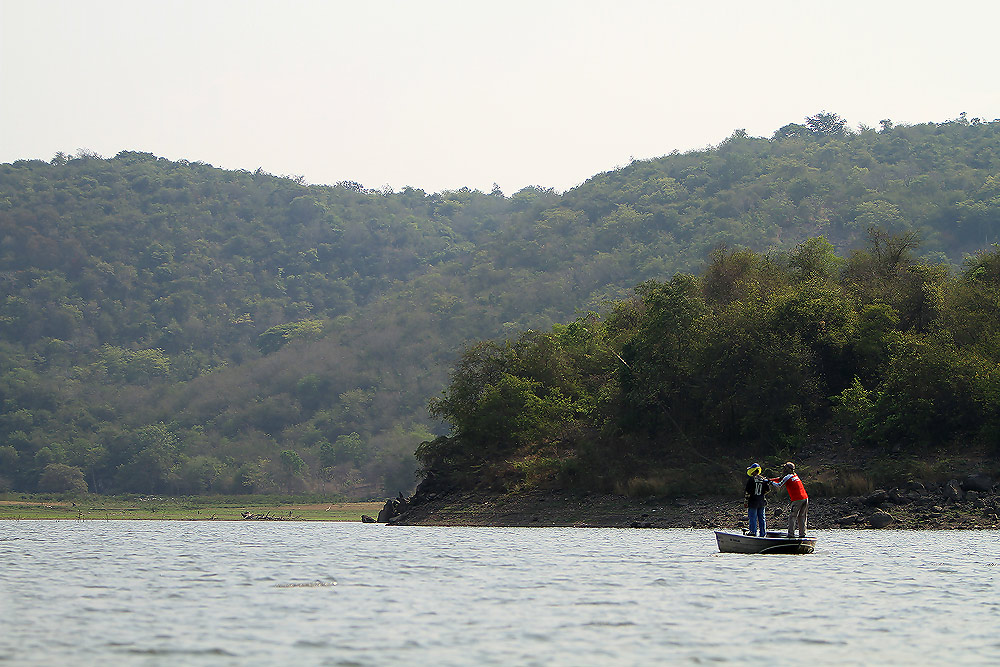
[220,593]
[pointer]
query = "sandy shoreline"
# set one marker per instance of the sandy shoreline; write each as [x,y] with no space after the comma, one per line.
[725,513]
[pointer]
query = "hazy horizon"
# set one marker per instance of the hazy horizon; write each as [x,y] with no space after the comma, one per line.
[445,94]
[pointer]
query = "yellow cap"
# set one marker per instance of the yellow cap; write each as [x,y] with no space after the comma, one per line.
[754,469]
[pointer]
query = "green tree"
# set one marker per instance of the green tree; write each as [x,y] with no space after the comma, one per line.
[350,448]
[815,258]
[878,215]
[143,365]
[292,463]
[199,474]
[60,478]
[827,124]
[279,335]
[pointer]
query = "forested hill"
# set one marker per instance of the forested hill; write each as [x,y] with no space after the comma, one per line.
[171,327]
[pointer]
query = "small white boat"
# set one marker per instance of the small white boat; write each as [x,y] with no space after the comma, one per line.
[774,543]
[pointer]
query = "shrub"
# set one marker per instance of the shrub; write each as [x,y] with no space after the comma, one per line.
[60,478]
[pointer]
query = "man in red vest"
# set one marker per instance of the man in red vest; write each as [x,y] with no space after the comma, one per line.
[797,494]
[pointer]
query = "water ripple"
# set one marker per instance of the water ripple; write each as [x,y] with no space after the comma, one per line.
[340,594]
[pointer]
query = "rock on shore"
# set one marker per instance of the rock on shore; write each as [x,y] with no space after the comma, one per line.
[948,506]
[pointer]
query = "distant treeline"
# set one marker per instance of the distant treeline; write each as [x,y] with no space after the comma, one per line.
[170,327]
[758,355]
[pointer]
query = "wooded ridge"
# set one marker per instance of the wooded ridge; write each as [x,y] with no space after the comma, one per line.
[171,327]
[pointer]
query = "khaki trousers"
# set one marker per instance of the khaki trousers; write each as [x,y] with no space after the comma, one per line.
[797,517]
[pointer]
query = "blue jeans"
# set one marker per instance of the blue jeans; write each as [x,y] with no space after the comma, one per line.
[756,515]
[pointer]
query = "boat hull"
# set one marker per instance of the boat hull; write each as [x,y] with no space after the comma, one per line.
[774,543]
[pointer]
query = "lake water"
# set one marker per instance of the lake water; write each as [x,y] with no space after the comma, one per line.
[289,593]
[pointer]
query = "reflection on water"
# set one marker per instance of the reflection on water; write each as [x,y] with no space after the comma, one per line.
[209,593]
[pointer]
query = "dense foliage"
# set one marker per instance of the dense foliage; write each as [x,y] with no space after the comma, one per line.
[759,355]
[171,327]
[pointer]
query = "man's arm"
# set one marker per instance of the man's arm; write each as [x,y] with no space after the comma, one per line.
[784,480]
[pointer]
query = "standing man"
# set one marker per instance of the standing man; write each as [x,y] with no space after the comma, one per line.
[797,494]
[756,487]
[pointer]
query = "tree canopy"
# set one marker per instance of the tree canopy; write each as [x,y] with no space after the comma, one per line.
[171,327]
[752,358]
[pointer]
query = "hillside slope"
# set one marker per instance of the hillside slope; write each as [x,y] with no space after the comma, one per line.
[173,327]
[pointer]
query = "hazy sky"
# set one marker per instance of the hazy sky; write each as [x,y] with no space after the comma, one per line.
[442,94]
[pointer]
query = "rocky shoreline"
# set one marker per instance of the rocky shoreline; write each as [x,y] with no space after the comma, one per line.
[973,503]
